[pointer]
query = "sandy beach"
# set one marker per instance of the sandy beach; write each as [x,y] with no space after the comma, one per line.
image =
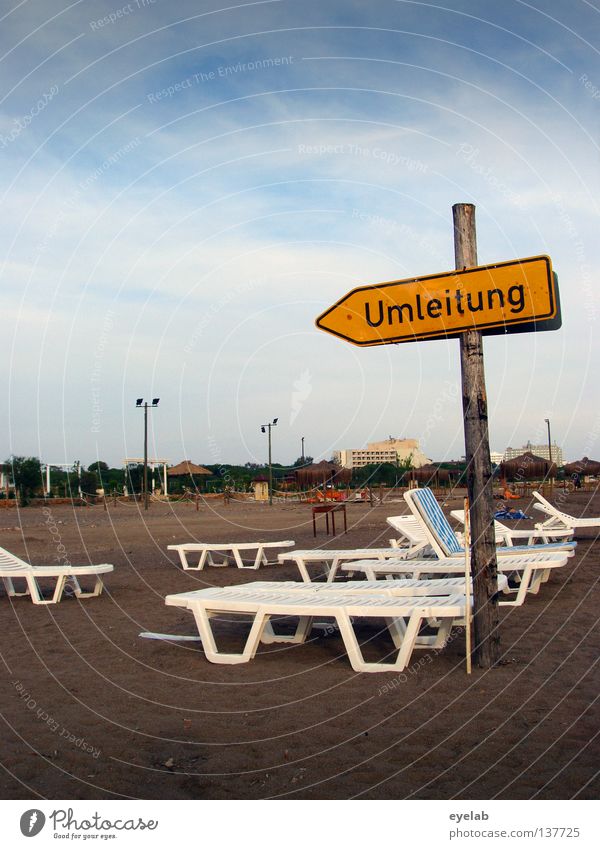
[93,711]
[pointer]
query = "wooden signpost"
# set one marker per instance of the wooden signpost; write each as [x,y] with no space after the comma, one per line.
[484,568]
[473,301]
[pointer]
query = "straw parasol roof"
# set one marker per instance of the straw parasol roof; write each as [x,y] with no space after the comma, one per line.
[430,473]
[527,467]
[186,467]
[315,473]
[585,466]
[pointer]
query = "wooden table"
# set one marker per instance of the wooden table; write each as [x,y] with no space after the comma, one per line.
[328,509]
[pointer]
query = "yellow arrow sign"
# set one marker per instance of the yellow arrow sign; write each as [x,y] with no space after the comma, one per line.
[507,297]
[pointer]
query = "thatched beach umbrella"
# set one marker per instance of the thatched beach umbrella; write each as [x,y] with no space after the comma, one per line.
[527,467]
[187,469]
[430,475]
[323,473]
[585,466]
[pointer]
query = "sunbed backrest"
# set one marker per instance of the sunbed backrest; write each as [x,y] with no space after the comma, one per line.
[432,514]
[10,561]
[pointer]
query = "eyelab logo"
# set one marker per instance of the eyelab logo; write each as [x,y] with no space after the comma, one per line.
[32,822]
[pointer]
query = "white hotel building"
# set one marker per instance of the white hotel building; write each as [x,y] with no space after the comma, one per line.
[388,451]
[538,450]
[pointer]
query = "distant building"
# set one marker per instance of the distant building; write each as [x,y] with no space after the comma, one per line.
[496,457]
[5,478]
[388,451]
[538,450]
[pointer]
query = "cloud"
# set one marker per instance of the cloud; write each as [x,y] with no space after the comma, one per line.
[192,226]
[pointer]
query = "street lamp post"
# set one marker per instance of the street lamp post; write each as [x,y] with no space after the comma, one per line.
[550,453]
[264,428]
[144,405]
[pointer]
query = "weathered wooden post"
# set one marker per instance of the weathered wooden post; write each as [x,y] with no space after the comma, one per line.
[517,296]
[479,467]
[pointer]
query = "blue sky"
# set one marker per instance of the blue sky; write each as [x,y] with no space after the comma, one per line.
[187,186]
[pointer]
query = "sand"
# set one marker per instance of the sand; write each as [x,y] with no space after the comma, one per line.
[92,711]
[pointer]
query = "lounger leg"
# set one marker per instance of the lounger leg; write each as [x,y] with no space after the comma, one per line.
[430,641]
[183,559]
[303,629]
[355,655]
[10,588]
[397,628]
[210,647]
[441,638]
[238,559]
[58,590]
[524,584]
[537,579]
[335,564]
[36,595]
[98,587]
[410,639]
[259,560]
[303,570]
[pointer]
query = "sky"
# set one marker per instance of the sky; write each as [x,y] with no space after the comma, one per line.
[187,185]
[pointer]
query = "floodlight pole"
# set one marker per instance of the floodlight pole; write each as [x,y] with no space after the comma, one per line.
[302,449]
[145,455]
[268,428]
[144,404]
[479,468]
[550,455]
[270,471]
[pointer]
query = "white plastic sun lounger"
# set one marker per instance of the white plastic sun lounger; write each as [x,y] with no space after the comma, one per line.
[207,549]
[508,536]
[532,570]
[331,558]
[305,604]
[442,538]
[12,567]
[398,587]
[558,519]
[411,535]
